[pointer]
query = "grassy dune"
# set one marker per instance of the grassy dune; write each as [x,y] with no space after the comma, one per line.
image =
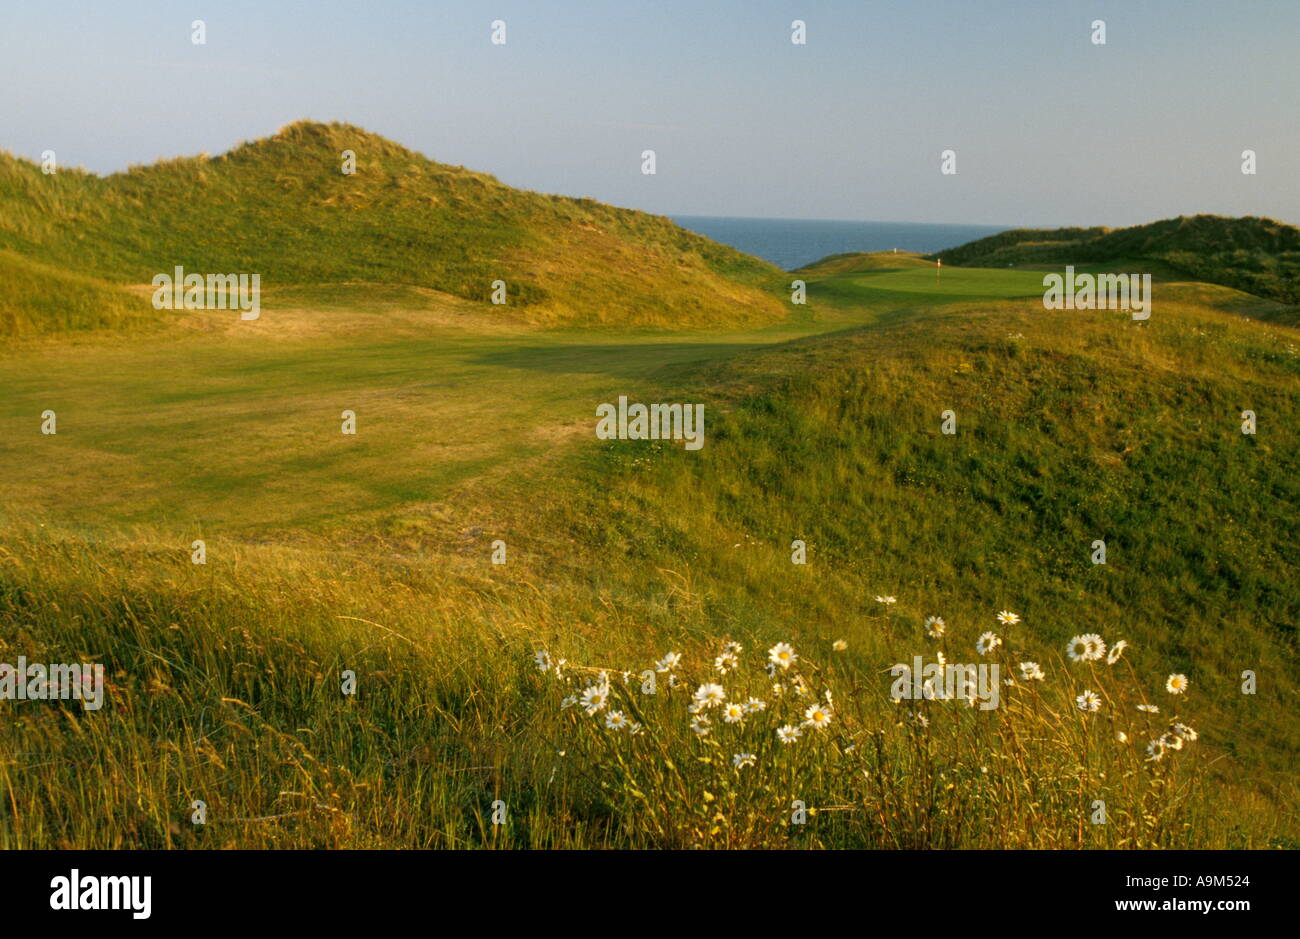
[399,219]
[373,554]
[1258,255]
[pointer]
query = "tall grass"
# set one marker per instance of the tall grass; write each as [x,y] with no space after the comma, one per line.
[224,687]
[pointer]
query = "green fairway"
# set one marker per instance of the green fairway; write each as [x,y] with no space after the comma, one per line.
[956,283]
[243,435]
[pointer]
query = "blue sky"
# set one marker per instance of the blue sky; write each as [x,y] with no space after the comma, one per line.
[1048,128]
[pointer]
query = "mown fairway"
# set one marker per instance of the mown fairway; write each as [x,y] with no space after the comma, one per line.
[933,284]
[242,433]
[372,553]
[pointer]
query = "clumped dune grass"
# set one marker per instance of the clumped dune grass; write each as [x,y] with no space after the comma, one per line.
[1257,255]
[281,207]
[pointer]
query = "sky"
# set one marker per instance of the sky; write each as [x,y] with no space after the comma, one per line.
[1048,128]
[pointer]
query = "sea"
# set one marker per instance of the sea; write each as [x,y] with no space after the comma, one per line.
[790,243]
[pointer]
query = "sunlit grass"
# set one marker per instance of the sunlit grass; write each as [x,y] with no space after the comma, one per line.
[225,678]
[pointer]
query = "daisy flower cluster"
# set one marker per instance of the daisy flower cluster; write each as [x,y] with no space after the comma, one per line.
[1086,648]
[1178,735]
[709,735]
[711,697]
[715,710]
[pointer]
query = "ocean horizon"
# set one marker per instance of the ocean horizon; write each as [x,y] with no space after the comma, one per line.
[792,243]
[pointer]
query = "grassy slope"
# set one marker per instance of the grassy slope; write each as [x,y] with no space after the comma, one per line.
[1104,429]
[281,207]
[1257,255]
[40,299]
[1072,427]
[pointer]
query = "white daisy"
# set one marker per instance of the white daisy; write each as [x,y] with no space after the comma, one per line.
[669,662]
[987,642]
[1088,701]
[782,654]
[839,645]
[1030,671]
[595,697]
[1149,708]
[709,694]
[1116,651]
[1186,733]
[726,662]
[1171,741]
[754,705]
[887,601]
[1176,684]
[700,726]
[568,702]
[1085,648]
[788,734]
[1155,751]
[543,660]
[935,626]
[615,720]
[818,716]
[1007,618]
[741,760]
[733,713]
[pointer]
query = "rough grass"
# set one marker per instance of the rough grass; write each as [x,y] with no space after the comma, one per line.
[281,207]
[42,300]
[1257,255]
[1072,426]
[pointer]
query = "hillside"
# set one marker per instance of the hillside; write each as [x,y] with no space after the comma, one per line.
[1257,255]
[1070,428]
[40,299]
[282,208]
